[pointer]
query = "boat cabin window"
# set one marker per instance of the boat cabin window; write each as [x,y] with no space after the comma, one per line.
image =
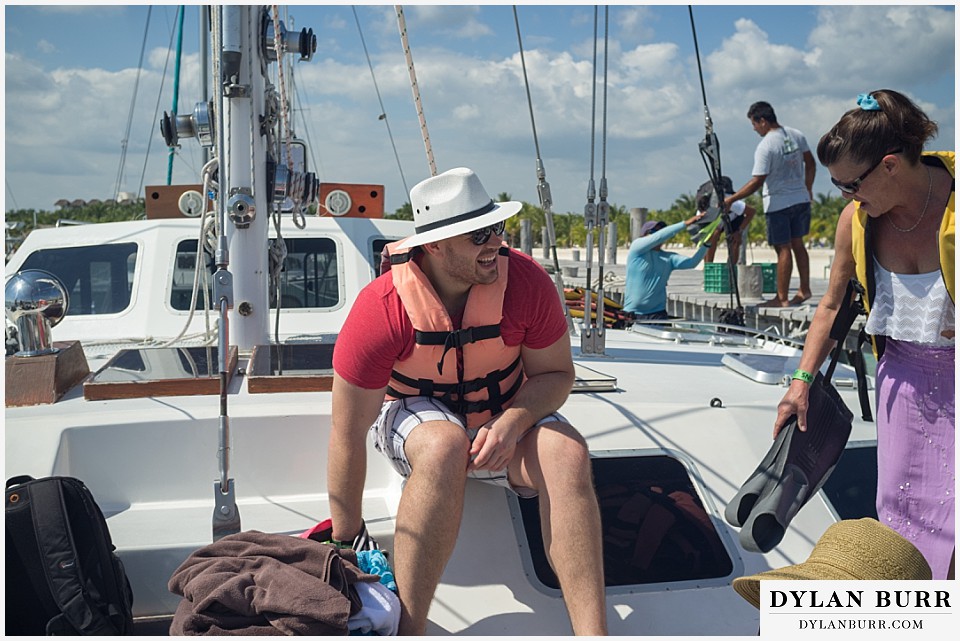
[98,278]
[310,276]
[378,245]
[655,527]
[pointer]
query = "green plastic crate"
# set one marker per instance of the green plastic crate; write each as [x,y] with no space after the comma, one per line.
[716,278]
[769,271]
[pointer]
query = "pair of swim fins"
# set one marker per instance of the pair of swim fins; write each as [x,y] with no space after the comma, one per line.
[793,470]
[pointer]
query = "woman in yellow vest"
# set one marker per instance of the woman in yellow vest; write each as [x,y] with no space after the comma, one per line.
[896,236]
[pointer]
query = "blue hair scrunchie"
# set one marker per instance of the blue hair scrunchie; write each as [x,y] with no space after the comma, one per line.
[868,102]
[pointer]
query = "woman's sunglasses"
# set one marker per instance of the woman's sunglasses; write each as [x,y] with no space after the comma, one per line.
[482,235]
[853,186]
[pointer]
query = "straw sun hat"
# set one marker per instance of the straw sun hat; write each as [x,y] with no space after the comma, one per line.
[860,549]
[453,203]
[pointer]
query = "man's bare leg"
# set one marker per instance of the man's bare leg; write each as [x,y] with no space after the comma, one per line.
[428,518]
[569,517]
[803,270]
[784,272]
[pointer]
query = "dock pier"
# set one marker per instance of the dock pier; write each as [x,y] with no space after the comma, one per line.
[687,298]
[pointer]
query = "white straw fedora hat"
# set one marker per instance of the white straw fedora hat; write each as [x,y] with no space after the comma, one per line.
[453,203]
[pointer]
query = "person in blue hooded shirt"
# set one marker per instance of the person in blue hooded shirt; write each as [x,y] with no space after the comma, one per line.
[649,268]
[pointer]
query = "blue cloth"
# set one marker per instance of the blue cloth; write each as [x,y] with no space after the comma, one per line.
[649,269]
[375,562]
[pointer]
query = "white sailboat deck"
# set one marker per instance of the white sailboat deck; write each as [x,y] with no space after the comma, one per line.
[151,461]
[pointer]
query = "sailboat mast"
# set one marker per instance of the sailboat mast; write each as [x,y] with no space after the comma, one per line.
[243,180]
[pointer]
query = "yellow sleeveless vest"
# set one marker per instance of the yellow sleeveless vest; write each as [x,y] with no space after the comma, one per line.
[860,242]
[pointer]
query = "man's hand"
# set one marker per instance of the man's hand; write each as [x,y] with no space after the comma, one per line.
[494,446]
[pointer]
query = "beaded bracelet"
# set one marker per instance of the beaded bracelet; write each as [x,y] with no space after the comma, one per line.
[803,375]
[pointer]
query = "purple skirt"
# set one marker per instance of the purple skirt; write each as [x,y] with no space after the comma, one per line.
[915,438]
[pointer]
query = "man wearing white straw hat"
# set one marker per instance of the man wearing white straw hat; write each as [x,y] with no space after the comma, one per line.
[455,362]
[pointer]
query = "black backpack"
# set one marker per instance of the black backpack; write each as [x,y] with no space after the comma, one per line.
[63,577]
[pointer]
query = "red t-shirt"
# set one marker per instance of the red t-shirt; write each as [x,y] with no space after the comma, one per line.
[378,332]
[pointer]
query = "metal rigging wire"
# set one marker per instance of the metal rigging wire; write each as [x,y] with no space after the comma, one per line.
[710,152]
[596,214]
[133,102]
[156,111]
[383,110]
[543,187]
[320,171]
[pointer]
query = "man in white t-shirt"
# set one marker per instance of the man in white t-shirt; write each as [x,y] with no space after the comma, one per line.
[784,167]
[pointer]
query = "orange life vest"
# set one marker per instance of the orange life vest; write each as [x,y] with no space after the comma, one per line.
[470,370]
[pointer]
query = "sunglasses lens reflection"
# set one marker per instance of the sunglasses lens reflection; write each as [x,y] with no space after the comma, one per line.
[481,236]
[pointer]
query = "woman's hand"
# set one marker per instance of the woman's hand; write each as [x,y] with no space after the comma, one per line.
[794,402]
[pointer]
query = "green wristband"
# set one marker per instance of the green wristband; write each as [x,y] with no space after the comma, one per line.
[803,375]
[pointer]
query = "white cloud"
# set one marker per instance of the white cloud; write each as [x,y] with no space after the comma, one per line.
[64,126]
[634,23]
[45,46]
[748,58]
[903,45]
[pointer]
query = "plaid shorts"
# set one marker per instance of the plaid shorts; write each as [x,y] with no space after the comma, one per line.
[398,418]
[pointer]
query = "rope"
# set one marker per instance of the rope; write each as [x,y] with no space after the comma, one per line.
[204,245]
[284,117]
[402,24]
[383,111]
[296,215]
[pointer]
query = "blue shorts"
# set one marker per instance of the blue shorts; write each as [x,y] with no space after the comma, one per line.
[398,418]
[784,225]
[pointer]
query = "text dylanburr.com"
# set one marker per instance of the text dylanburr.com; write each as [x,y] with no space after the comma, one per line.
[853,608]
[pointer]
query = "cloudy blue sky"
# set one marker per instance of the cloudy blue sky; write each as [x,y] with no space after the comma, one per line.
[70,73]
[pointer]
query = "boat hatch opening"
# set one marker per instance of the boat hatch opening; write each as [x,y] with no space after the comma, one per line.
[98,278]
[774,369]
[656,529]
[160,371]
[590,380]
[692,334]
[851,490]
[310,276]
[292,367]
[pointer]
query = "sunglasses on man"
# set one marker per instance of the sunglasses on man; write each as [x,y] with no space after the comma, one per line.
[482,235]
[853,186]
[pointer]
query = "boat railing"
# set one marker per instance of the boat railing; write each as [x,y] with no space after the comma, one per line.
[771,334]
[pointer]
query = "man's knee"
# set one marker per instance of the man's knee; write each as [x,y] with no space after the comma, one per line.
[437,444]
[563,448]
